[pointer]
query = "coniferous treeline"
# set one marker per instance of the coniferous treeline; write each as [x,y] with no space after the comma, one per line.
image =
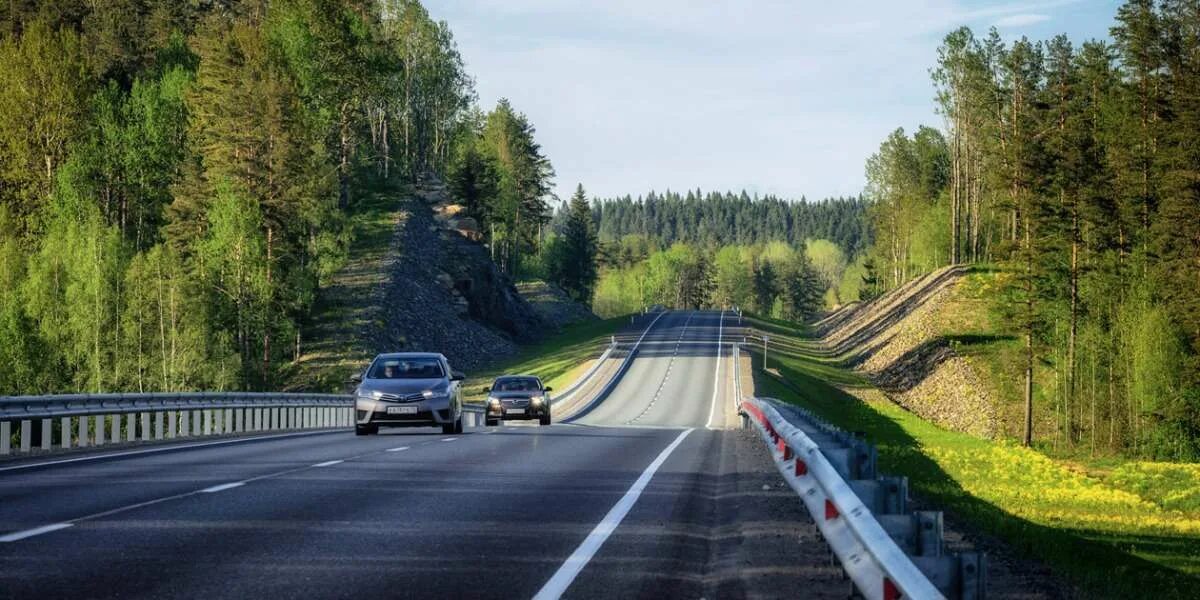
[717,219]
[1077,170]
[177,177]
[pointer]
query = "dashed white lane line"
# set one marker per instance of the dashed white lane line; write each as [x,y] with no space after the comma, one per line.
[166,448]
[717,375]
[28,533]
[224,486]
[591,544]
[400,449]
[666,375]
[449,439]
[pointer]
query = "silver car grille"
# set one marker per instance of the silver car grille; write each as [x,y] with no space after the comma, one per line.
[515,403]
[401,397]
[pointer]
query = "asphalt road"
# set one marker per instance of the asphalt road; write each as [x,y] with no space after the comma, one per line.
[645,495]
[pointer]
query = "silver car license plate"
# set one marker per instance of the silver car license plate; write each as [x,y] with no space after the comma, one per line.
[516,411]
[402,410]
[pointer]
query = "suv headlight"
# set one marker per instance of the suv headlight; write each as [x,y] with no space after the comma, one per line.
[537,399]
[493,400]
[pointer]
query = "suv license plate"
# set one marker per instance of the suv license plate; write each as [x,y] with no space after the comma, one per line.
[402,410]
[516,411]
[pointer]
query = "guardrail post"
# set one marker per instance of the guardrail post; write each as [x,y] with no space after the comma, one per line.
[172,424]
[972,575]
[47,433]
[227,421]
[929,533]
[6,437]
[98,424]
[239,420]
[114,428]
[158,425]
[196,423]
[83,431]
[130,428]
[64,433]
[184,423]
[26,435]
[145,426]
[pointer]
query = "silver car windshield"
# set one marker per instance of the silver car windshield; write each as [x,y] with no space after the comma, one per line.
[406,368]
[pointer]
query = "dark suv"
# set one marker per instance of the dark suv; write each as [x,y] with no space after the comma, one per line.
[409,389]
[517,397]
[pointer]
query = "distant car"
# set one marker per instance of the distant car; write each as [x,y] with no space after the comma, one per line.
[409,389]
[517,397]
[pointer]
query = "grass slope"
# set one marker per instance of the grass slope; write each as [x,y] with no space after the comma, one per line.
[332,343]
[1109,539]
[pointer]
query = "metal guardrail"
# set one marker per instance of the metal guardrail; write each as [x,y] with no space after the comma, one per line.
[96,419]
[887,551]
[625,363]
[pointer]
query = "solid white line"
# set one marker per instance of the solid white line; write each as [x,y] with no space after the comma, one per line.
[28,533]
[224,486]
[165,448]
[575,563]
[449,439]
[400,449]
[329,463]
[717,375]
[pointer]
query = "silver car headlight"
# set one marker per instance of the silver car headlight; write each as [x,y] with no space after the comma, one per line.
[537,400]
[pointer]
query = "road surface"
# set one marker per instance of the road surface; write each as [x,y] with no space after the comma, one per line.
[650,493]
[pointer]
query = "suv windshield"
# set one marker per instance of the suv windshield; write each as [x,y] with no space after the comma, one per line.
[517,384]
[406,368]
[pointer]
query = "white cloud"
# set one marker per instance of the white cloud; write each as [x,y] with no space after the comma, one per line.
[1021,20]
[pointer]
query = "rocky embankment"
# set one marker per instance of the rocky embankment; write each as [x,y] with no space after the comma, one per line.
[897,341]
[419,278]
[552,304]
[444,293]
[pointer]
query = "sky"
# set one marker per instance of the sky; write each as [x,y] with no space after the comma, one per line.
[783,97]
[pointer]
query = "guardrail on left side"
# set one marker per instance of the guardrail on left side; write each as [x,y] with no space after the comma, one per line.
[42,423]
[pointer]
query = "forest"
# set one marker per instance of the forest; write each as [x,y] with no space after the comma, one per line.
[178,178]
[789,259]
[1074,172]
[716,219]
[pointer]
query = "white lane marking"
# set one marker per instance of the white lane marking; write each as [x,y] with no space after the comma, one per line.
[575,563]
[166,448]
[224,486]
[666,375]
[717,375]
[449,439]
[400,449]
[329,463]
[28,533]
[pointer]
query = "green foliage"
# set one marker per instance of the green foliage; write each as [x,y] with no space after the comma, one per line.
[775,279]
[176,178]
[572,263]
[715,219]
[1074,170]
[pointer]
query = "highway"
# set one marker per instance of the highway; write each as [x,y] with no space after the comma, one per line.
[651,492]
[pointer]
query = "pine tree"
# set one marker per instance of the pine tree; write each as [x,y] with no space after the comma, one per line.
[576,269]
